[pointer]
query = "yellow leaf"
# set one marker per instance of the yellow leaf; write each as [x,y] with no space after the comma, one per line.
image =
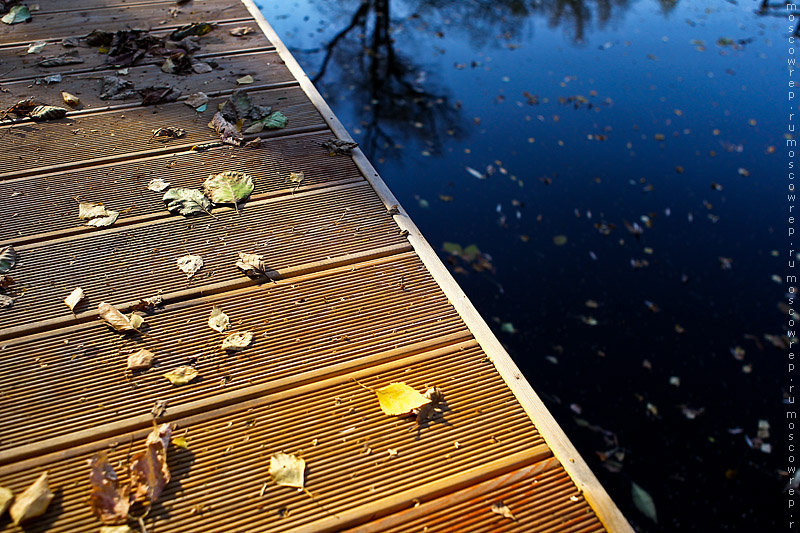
[181,375]
[180,442]
[398,399]
[287,470]
[114,318]
[33,502]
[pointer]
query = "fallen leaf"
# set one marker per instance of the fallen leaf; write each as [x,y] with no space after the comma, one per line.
[159,94]
[159,408]
[70,58]
[218,321]
[181,375]
[296,177]
[503,510]
[116,529]
[157,185]
[254,267]
[180,442]
[226,130]
[141,359]
[196,100]
[6,497]
[115,88]
[434,397]
[200,67]
[89,210]
[287,470]
[166,133]
[241,31]
[137,320]
[474,173]
[186,201]
[190,264]
[244,80]
[339,146]
[8,258]
[110,218]
[392,452]
[560,240]
[643,502]
[196,28]
[237,341]
[33,502]
[74,298]
[6,301]
[149,471]
[36,47]
[70,99]
[47,112]
[114,318]
[273,121]
[17,14]
[229,187]
[398,399]
[108,500]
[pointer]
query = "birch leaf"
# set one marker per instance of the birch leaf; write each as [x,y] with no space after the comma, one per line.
[99,222]
[398,399]
[181,375]
[141,360]
[643,502]
[190,264]
[186,201]
[218,321]
[237,341]
[503,510]
[228,187]
[33,502]
[8,258]
[114,318]
[109,502]
[157,185]
[149,470]
[74,298]
[90,210]
[287,470]
[6,497]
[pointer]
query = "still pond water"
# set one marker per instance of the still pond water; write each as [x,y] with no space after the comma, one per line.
[605,181]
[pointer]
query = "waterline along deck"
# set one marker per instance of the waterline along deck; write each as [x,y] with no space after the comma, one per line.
[355,299]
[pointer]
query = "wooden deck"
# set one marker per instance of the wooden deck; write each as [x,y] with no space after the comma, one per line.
[358,295]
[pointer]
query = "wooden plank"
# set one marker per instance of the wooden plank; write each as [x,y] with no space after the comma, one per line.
[20,66]
[219,480]
[44,206]
[58,25]
[37,148]
[563,449]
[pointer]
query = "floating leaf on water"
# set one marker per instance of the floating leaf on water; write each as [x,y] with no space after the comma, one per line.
[643,502]
[560,240]
[398,399]
[503,510]
[186,201]
[108,500]
[8,258]
[190,264]
[237,341]
[149,471]
[470,253]
[507,327]
[33,502]
[36,47]
[110,218]
[287,470]
[74,298]
[196,28]
[475,173]
[157,185]
[48,112]
[114,318]
[218,321]
[181,375]
[16,15]
[452,248]
[196,100]
[245,80]
[228,187]
[141,359]
[6,497]
[241,31]
[591,304]
[70,99]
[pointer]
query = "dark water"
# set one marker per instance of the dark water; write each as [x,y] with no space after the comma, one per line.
[648,134]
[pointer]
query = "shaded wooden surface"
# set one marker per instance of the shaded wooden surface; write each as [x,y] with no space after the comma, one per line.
[356,294]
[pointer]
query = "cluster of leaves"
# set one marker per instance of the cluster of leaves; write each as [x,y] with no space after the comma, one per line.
[238,115]
[30,109]
[229,187]
[8,258]
[471,255]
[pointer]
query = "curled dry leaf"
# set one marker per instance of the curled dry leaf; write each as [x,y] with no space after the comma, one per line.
[33,502]
[149,470]
[114,318]
[108,500]
[8,258]
[218,321]
[159,408]
[70,99]
[141,360]
[287,470]
[89,210]
[181,375]
[48,112]
[157,185]
[253,266]
[228,133]
[241,31]
[398,399]
[339,147]
[503,510]
[74,298]
[137,321]
[190,264]
[6,497]
[110,218]
[237,341]
[229,187]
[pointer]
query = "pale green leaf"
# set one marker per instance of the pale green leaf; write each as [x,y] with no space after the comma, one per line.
[17,14]
[643,502]
[228,187]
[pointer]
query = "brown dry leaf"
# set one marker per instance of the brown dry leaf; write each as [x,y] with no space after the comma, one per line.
[74,298]
[149,470]
[218,321]
[33,502]
[503,510]
[287,470]
[398,399]
[141,360]
[114,318]
[181,375]
[237,341]
[6,497]
[109,502]
[254,267]
[190,264]
[70,99]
